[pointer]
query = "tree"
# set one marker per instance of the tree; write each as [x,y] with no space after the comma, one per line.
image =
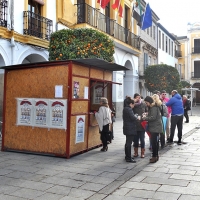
[80,43]
[183,84]
[161,77]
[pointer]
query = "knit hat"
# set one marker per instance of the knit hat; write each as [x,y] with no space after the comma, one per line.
[149,99]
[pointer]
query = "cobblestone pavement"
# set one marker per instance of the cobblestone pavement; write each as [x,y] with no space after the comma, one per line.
[99,175]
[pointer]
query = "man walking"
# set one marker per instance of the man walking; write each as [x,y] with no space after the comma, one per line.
[176,104]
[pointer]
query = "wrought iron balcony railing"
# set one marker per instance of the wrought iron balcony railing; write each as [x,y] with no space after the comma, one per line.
[3,12]
[91,16]
[36,25]
[178,53]
[196,50]
[195,75]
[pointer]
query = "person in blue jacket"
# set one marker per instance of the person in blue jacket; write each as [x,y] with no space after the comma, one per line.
[176,104]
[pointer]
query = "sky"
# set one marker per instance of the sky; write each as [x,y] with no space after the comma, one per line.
[176,14]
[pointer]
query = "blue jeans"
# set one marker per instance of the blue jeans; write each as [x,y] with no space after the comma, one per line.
[140,135]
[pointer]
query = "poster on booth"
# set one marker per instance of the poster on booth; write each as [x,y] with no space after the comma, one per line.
[80,128]
[58,114]
[41,113]
[24,112]
[76,90]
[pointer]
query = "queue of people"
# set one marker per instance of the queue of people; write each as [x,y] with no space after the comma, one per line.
[153,109]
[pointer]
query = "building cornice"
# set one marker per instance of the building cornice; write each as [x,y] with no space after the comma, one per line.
[26,39]
[149,48]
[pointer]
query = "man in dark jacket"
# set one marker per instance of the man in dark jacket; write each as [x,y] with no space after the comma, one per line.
[176,104]
[139,108]
[129,127]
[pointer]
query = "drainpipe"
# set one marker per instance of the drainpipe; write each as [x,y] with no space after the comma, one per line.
[12,41]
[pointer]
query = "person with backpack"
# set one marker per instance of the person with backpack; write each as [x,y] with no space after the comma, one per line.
[186,106]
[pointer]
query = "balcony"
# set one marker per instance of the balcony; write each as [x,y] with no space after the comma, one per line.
[3,12]
[195,75]
[178,54]
[91,16]
[36,25]
[195,50]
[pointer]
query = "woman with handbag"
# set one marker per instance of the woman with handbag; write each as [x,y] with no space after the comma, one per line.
[164,113]
[154,125]
[103,117]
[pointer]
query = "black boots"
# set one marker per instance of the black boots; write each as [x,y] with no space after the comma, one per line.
[128,155]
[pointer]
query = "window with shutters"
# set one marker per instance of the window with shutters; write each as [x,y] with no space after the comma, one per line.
[159,39]
[163,42]
[197,69]
[154,32]
[145,60]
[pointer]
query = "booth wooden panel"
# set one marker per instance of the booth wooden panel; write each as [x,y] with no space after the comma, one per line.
[33,83]
[80,70]
[77,147]
[95,73]
[108,75]
[94,137]
[79,107]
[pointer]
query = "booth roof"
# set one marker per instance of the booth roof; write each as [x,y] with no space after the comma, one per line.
[92,62]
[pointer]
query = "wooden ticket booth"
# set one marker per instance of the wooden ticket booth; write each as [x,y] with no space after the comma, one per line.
[48,107]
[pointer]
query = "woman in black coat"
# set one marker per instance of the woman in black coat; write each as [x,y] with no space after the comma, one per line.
[129,128]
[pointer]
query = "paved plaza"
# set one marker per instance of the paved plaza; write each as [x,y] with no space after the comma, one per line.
[97,175]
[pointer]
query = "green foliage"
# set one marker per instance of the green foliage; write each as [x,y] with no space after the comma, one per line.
[161,77]
[80,43]
[183,84]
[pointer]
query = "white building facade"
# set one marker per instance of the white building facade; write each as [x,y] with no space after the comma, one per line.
[168,48]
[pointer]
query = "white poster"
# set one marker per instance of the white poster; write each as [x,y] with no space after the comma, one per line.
[85,92]
[58,113]
[24,112]
[41,113]
[80,128]
[59,91]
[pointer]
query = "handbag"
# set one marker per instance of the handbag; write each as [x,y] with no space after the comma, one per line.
[163,120]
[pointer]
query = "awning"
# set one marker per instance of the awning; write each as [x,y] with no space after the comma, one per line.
[41,2]
[102,64]
[90,62]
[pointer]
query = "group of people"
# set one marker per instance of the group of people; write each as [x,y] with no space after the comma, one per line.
[151,109]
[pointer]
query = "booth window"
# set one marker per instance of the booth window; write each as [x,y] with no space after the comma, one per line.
[98,92]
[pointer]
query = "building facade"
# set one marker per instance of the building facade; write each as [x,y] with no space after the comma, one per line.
[26,26]
[190,61]
[169,49]
[149,52]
